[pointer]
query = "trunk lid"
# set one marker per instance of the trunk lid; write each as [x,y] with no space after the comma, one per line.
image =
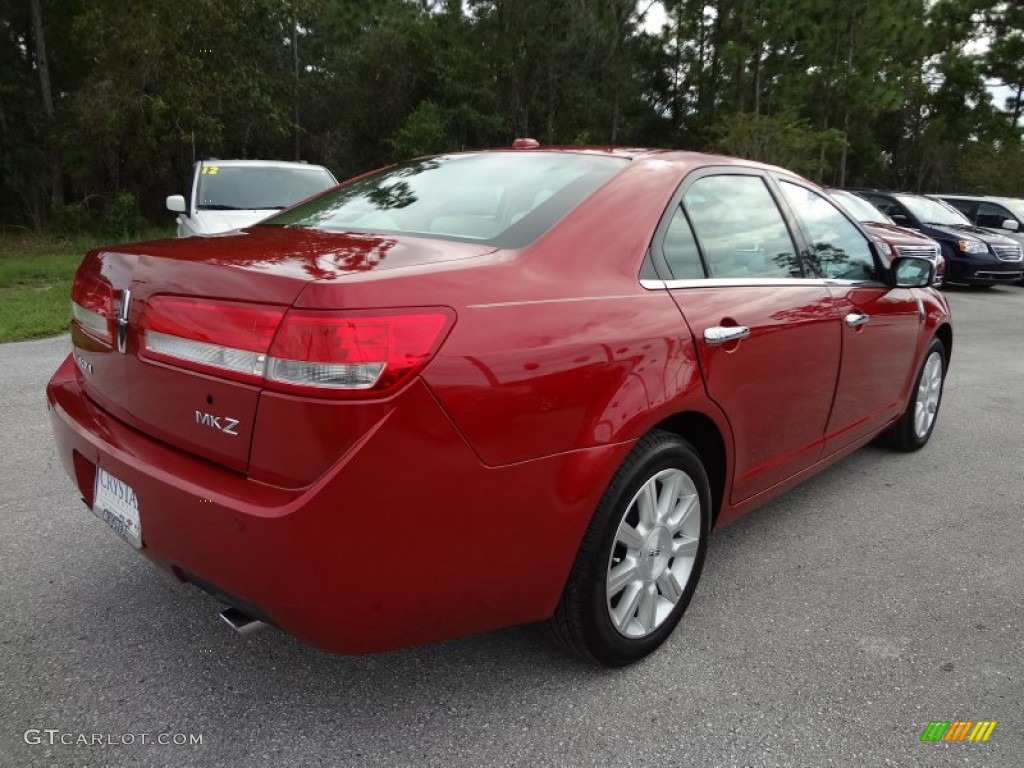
[199,411]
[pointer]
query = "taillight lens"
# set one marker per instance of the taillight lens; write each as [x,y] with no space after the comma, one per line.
[92,305]
[229,338]
[355,354]
[369,353]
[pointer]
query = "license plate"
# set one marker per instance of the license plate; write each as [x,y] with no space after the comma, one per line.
[116,505]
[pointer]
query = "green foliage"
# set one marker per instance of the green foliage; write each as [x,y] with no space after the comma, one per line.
[122,220]
[782,139]
[425,132]
[68,219]
[880,92]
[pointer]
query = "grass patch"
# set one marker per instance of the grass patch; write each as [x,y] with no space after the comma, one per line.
[36,272]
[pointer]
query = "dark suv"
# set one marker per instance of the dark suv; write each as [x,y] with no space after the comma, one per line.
[973,255]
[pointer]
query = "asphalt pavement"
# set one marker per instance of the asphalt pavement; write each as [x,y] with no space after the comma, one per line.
[830,627]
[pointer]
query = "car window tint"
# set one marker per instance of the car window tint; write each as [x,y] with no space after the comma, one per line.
[680,249]
[991,215]
[838,249]
[243,187]
[740,228]
[966,207]
[505,199]
[887,205]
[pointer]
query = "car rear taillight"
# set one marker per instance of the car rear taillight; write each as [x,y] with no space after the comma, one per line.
[357,353]
[228,338]
[350,354]
[92,305]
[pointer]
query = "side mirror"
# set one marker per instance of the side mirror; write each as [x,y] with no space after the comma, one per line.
[900,219]
[912,272]
[176,203]
[1011,225]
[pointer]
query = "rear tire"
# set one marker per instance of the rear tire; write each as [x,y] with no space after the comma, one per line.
[641,557]
[915,427]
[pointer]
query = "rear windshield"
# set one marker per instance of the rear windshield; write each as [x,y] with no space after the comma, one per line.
[858,207]
[506,199]
[258,188]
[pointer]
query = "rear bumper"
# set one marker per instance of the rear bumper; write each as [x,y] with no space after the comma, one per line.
[407,539]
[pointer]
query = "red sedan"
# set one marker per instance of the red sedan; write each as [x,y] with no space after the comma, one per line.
[489,388]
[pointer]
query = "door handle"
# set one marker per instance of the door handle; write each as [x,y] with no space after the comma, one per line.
[721,334]
[856,318]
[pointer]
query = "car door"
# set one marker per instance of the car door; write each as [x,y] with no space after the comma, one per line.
[768,339]
[881,325]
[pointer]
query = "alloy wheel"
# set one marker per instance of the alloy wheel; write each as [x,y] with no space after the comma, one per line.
[929,390]
[654,552]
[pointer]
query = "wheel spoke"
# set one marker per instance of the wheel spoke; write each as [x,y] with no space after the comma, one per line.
[622,574]
[647,502]
[685,546]
[647,613]
[628,536]
[626,609]
[681,514]
[669,496]
[669,586]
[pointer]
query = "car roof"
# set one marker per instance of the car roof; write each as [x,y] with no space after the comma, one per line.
[679,156]
[259,163]
[980,198]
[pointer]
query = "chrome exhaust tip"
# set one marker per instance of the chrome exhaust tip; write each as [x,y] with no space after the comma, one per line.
[242,623]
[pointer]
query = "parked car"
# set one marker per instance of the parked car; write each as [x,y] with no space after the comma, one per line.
[224,195]
[898,240]
[489,388]
[1003,215]
[974,256]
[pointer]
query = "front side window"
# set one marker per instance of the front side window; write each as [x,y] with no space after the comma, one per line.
[992,216]
[839,250]
[506,199]
[740,228]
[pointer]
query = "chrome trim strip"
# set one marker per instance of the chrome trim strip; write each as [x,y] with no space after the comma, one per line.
[750,282]
[122,321]
[564,300]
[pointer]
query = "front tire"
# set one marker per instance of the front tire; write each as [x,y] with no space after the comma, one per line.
[914,429]
[641,557]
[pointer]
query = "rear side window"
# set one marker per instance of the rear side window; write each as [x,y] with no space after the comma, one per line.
[506,199]
[680,249]
[740,228]
[839,250]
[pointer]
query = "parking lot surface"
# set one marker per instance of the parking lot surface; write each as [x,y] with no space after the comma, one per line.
[829,628]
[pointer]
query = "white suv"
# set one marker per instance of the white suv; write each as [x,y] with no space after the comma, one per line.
[225,195]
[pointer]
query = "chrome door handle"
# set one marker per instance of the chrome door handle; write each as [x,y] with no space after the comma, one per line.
[720,334]
[855,318]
